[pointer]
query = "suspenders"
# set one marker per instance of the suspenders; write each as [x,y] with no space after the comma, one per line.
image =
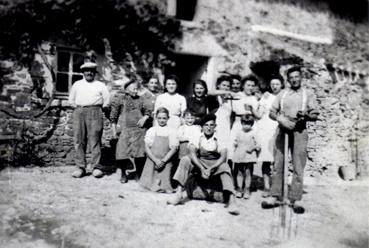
[304,99]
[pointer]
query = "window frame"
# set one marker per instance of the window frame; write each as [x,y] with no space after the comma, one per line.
[71,51]
[172,10]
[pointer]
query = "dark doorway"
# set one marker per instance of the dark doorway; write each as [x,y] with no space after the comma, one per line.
[189,68]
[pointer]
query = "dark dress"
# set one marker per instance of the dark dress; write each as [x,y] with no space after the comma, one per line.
[203,106]
[126,111]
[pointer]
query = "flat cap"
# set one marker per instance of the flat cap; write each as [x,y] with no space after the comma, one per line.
[89,66]
[207,118]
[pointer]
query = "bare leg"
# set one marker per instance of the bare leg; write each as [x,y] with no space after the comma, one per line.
[248,178]
[240,179]
[266,170]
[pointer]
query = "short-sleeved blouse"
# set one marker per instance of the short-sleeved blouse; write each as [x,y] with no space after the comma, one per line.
[162,132]
[176,103]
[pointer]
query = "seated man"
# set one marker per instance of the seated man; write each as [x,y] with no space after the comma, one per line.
[207,157]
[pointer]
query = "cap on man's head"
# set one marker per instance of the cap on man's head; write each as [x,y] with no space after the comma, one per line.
[89,66]
[207,118]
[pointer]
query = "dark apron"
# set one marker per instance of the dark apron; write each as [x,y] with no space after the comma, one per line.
[131,139]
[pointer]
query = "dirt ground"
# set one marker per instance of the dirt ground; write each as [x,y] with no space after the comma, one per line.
[46,207]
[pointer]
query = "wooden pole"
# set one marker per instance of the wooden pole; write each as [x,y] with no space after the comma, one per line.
[285,181]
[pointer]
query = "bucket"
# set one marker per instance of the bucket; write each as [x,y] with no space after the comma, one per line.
[346,173]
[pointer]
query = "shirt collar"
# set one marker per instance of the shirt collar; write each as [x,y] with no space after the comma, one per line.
[214,137]
[297,91]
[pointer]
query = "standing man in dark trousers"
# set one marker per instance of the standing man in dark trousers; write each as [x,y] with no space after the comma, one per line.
[88,97]
[292,108]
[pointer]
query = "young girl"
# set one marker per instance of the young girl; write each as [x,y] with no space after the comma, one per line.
[161,144]
[186,132]
[172,101]
[245,155]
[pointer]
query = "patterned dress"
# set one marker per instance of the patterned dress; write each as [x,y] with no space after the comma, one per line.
[126,111]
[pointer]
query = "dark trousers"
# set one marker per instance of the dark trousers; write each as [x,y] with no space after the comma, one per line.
[298,145]
[88,127]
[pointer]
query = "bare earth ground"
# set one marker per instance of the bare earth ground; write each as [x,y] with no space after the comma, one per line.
[46,207]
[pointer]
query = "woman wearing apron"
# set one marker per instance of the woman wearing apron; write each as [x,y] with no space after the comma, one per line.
[161,144]
[129,115]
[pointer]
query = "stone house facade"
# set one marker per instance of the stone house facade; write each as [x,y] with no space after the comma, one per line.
[236,36]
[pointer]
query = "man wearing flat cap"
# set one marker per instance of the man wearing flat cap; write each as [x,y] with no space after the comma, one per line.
[207,159]
[292,108]
[88,97]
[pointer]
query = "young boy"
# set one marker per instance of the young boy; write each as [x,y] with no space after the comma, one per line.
[186,132]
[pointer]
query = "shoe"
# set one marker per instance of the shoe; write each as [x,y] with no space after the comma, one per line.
[176,200]
[97,173]
[239,194]
[297,208]
[78,173]
[246,194]
[123,178]
[233,209]
[270,202]
[265,193]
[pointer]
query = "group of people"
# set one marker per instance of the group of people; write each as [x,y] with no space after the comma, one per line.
[199,145]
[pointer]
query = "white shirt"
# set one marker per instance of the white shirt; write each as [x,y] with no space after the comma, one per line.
[211,144]
[162,132]
[239,105]
[176,103]
[85,93]
[186,133]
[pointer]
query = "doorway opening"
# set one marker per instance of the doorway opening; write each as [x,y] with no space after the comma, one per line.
[189,68]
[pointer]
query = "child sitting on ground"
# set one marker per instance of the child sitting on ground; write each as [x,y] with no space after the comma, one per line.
[245,155]
[186,131]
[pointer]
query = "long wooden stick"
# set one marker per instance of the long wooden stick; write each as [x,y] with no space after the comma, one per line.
[285,181]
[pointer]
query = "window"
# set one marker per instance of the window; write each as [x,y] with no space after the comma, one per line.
[182,9]
[68,69]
